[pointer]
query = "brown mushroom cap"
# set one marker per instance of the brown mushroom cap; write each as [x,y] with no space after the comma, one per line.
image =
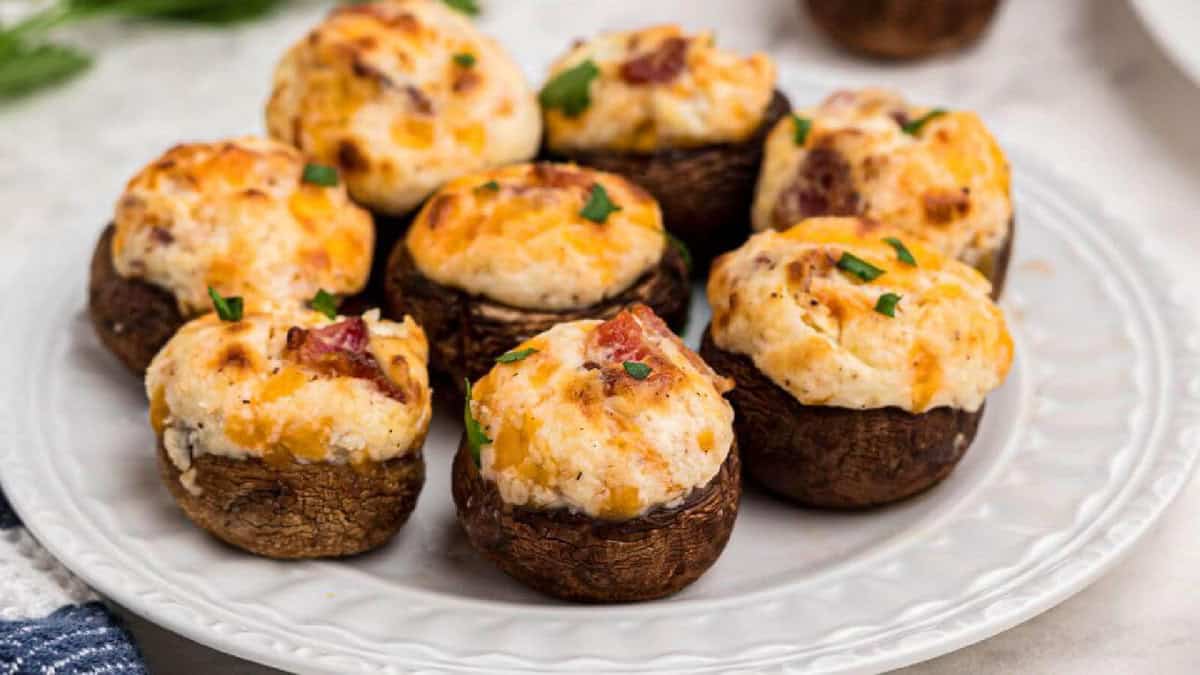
[573,556]
[838,458]
[132,318]
[995,266]
[295,510]
[902,29]
[705,192]
[466,332]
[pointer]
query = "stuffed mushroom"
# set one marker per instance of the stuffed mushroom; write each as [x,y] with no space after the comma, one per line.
[599,463]
[293,435]
[903,29]
[937,175]
[862,359]
[402,96]
[674,113]
[497,257]
[246,217]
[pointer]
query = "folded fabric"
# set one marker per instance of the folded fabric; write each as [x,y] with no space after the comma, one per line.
[50,622]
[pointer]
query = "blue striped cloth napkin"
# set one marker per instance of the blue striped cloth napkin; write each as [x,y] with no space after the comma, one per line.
[50,622]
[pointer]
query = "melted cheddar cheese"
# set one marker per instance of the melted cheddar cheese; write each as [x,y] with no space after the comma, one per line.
[812,328]
[948,183]
[235,215]
[683,92]
[517,235]
[240,390]
[571,429]
[403,95]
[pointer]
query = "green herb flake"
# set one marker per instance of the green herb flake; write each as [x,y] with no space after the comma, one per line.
[320,174]
[476,436]
[637,370]
[902,253]
[490,186]
[569,91]
[464,60]
[598,206]
[914,127]
[858,267]
[516,355]
[800,128]
[886,304]
[681,247]
[325,303]
[228,309]
[468,7]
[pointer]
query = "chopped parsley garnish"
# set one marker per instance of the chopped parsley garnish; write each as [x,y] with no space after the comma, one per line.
[228,309]
[468,7]
[800,128]
[516,355]
[886,304]
[325,303]
[858,267]
[465,60]
[598,206]
[320,174]
[914,127]
[902,253]
[637,370]
[476,436]
[569,90]
[681,247]
[490,186]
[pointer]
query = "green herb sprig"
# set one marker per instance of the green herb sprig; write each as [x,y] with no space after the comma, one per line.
[476,436]
[914,127]
[637,370]
[464,60]
[598,206]
[468,7]
[325,303]
[800,128]
[516,355]
[886,304]
[902,253]
[860,268]
[228,309]
[569,91]
[29,61]
[319,174]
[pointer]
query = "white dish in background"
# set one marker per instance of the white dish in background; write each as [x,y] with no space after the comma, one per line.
[1175,24]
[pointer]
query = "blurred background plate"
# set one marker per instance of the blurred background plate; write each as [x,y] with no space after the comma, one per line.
[1175,24]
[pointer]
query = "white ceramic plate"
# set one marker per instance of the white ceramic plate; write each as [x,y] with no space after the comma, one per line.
[1093,434]
[1175,24]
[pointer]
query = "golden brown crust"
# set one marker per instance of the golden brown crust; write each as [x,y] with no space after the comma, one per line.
[132,318]
[296,510]
[576,557]
[467,332]
[838,458]
[705,192]
[903,29]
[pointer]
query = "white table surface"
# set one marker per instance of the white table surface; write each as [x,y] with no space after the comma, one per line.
[1078,81]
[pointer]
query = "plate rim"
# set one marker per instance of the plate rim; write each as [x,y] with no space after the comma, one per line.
[1177,342]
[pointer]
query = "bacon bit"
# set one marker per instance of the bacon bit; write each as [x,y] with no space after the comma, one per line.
[349,157]
[622,339]
[942,206]
[630,336]
[661,65]
[558,176]
[823,186]
[340,350]
[419,100]
[162,235]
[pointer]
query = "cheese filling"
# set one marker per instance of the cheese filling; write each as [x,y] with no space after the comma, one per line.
[291,387]
[235,215]
[811,325]
[525,235]
[403,95]
[572,428]
[945,181]
[660,88]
